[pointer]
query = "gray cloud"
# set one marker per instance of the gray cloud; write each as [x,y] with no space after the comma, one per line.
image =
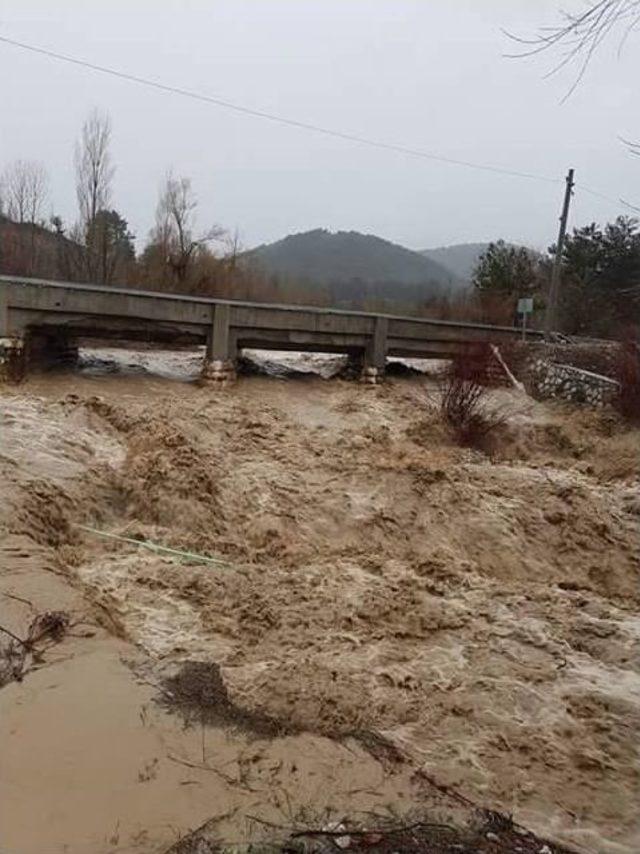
[428,75]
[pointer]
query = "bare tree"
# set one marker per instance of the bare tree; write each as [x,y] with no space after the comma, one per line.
[25,190]
[634,148]
[578,36]
[94,169]
[175,223]
[232,243]
[94,176]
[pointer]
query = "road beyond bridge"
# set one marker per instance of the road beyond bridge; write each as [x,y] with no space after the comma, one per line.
[43,320]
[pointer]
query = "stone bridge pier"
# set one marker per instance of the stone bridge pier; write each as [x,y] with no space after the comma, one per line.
[219,368]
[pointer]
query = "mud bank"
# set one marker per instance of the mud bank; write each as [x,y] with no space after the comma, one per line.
[365,576]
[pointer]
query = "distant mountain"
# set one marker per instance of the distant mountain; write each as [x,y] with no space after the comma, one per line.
[459,259]
[352,268]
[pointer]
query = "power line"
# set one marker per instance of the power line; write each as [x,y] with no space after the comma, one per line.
[273,117]
[302,125]
[598,195]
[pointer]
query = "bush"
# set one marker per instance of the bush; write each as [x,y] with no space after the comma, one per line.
[463,400]
[628,375]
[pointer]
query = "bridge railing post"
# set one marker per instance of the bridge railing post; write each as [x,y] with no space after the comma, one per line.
[219,364]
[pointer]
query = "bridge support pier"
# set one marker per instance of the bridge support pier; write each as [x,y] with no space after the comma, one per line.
[12,352]
[19,353]
[218,372]
[13,361]
[375,355]
[50,351]
[219,367]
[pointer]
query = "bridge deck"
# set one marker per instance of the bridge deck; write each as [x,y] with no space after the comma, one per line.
[32,307]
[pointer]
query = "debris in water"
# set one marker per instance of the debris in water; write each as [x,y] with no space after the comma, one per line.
[14,654]
[197,692]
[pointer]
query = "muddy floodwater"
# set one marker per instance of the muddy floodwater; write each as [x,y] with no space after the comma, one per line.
[392,621]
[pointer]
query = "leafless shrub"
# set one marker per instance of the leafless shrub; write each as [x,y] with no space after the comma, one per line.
[628,375]
[464,404]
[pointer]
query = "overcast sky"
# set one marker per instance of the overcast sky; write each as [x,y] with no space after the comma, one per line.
[427,74]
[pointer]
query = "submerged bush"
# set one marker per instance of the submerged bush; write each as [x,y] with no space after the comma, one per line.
[464,402]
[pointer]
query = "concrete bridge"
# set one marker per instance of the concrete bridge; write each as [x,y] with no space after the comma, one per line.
[42,319]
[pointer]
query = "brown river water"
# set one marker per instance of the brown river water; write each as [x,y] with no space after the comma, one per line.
[477,614]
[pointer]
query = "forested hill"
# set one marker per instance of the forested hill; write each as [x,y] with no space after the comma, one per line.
[460,259]
[29,249]
[348,257]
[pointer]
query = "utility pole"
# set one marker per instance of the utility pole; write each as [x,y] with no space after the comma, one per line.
[551,318]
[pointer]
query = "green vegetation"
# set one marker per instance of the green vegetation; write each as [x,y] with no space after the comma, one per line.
[600,293]
[110,245]
[510,270]
[503,274]
[600,290]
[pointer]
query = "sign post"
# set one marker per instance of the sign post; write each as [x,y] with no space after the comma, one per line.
[525,307]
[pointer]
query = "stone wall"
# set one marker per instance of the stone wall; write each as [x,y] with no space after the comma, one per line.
[566,382]
[598,357]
